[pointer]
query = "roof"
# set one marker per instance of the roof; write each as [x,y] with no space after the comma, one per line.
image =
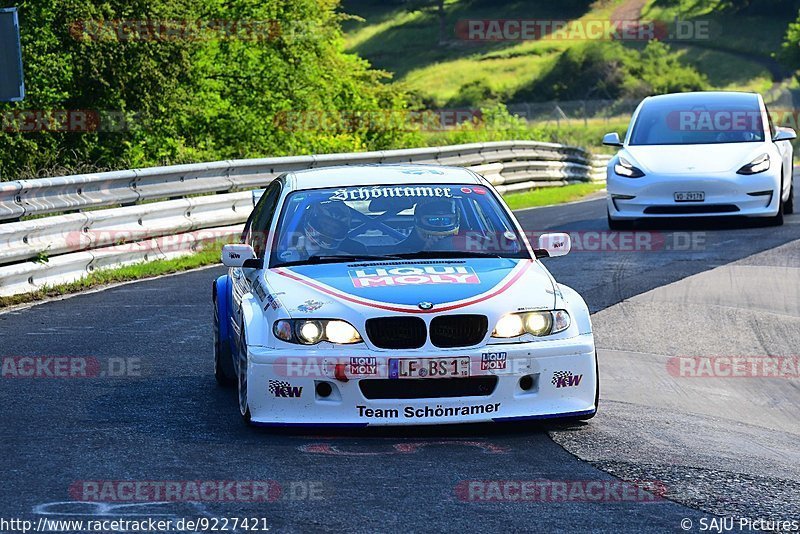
[699,97]
[362,175]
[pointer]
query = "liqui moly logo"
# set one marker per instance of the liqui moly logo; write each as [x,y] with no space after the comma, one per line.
[403,276]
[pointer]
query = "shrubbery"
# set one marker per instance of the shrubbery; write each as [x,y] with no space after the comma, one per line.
[189,99]
[608,70]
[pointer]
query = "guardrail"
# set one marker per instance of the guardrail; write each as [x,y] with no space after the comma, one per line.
[77,237]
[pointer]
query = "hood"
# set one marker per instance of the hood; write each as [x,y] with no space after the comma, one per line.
[692,159]
[376,288]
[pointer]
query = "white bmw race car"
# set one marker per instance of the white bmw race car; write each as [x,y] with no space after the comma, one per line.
[700,154]
[397,295]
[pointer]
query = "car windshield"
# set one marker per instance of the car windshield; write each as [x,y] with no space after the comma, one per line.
[393,221]
[699,120]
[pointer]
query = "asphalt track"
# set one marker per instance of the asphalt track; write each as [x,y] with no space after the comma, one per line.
[166,420]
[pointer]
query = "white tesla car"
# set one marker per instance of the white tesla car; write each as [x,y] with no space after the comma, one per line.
[397,295]
[700,154]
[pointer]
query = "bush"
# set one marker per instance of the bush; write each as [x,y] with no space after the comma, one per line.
[608,70]
[192,99]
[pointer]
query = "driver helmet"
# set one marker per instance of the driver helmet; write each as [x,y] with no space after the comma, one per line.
[327,224]
[436,218]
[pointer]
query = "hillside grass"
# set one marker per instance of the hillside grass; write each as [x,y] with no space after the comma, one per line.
[737,56]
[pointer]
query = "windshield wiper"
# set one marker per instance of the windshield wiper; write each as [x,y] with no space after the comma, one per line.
[317,259]
[433,254]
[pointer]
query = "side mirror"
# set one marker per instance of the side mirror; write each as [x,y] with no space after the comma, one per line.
[236,255]
[784,134]
[612,139]
[553,245]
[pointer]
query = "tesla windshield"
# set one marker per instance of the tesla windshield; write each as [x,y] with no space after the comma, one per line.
[699,120]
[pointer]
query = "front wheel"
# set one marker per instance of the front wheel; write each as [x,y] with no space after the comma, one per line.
[788,207]
[777,219]
[244,408]
[223,359]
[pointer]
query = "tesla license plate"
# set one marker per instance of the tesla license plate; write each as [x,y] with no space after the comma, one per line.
[429,367]
[690,196]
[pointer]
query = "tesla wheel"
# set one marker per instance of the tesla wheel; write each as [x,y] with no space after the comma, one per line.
[244,409]
[223,360]
[777,220]
[616,224]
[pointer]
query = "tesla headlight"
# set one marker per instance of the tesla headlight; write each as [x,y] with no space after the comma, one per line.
[626,169]
[312,331]
[537,323]
[760,164]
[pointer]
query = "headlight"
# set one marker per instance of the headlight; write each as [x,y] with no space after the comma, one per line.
[309,332]
[510,325]
[312,331]
[624,168]
[760,164]
[538,323]
[341,332]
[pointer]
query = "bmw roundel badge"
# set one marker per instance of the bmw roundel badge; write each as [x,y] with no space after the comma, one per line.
[425,305]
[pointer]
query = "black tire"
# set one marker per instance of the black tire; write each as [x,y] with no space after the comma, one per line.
[241,382]
[777,220]
[223,359]
[618,225]
[788,206]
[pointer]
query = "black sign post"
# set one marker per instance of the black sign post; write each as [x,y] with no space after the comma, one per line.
[12,85]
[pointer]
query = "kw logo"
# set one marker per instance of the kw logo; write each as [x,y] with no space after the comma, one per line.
[278,388]
[565,379]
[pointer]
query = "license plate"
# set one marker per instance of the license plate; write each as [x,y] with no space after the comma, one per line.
[429,367]
[690,196]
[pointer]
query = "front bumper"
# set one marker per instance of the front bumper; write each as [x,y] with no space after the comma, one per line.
[726,194]
[554,378]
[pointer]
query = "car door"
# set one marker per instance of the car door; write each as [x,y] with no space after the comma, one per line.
[255,234]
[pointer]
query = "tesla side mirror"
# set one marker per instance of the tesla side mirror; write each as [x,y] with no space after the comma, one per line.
[553,245]
[612,139]
[236,255]
[784,134]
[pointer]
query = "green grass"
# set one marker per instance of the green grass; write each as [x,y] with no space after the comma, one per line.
[736,55]
[138,271]
[406,43]
[574,132]
[550,195]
